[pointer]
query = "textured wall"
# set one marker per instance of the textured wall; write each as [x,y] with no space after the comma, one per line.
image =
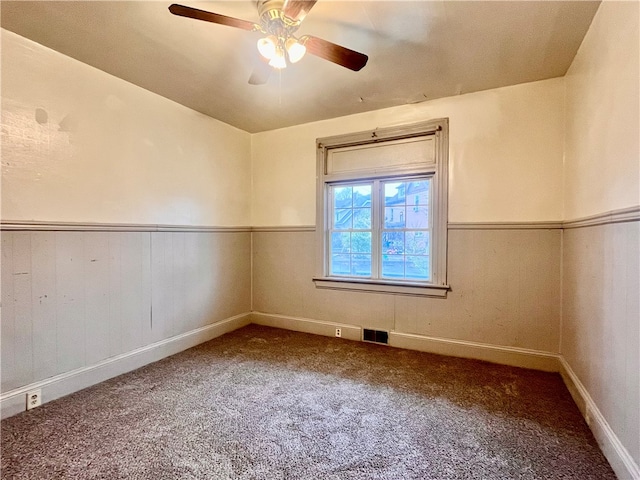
[79,145]
[73,299]
[505,289]
[601,318]
[505,156]
[601,321]
[602,164]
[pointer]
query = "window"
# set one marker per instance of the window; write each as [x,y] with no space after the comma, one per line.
[382,210]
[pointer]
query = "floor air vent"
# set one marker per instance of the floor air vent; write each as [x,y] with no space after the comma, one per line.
[376,336]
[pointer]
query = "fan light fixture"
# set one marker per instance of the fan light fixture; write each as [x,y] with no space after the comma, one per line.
[295,49]
[279,20]
[267,46]
[272,48]
[278,61]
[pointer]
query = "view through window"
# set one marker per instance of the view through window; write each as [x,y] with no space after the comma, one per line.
[401,234]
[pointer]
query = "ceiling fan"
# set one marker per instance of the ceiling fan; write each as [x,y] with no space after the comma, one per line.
[279,20]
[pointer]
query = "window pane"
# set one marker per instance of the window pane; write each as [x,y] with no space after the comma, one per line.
[417,267]
[362,196]
[393,266]
[393,243]
[340,242]
[340,264]
[418,192]
[418,216]
[362,218]
[342,197]
[342,219]
[417,242]
[361,242]
[361,265]
[394,217]
[394,193]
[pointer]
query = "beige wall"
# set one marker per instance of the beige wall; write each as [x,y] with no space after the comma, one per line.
[79,145]
[506,148]
[80,307]
[601,317]
[601,322]
[73,299]
[505,289]
[602,166]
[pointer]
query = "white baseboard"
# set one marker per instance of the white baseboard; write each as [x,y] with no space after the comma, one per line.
[14,401]
[513,356]
[298,324]
[619,458]
[518,357]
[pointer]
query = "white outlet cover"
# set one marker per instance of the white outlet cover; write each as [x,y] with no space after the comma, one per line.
[34,398]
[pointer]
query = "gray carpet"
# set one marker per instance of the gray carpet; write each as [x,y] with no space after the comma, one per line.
[263,403]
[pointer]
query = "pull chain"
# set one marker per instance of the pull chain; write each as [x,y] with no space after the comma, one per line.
[279,87]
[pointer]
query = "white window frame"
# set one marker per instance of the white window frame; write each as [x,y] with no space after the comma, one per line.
[438,172]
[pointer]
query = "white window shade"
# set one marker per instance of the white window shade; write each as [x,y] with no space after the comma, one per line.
[408,153]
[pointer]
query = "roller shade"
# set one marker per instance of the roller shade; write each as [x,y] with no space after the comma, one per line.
[406,153]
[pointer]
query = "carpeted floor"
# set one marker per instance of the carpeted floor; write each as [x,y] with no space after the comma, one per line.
[262,403]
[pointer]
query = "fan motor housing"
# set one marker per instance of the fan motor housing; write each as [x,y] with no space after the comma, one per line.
[272,18]
[264,6]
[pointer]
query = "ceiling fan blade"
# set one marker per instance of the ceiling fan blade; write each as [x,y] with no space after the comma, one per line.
[297,9]
[334,53]
[261,73]
[191,12]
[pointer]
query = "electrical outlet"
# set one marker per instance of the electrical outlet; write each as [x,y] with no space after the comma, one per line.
[338,332]
[34,399]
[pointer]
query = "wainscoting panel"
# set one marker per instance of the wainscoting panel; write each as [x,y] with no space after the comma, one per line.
[74,299]
[601,329]
[505,289]
[43,303]
[95,260]
[131,274]
[13,402]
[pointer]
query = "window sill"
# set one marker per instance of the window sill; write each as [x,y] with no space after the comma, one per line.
[377,286]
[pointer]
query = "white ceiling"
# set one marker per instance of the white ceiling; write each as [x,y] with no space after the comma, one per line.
[418,50]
